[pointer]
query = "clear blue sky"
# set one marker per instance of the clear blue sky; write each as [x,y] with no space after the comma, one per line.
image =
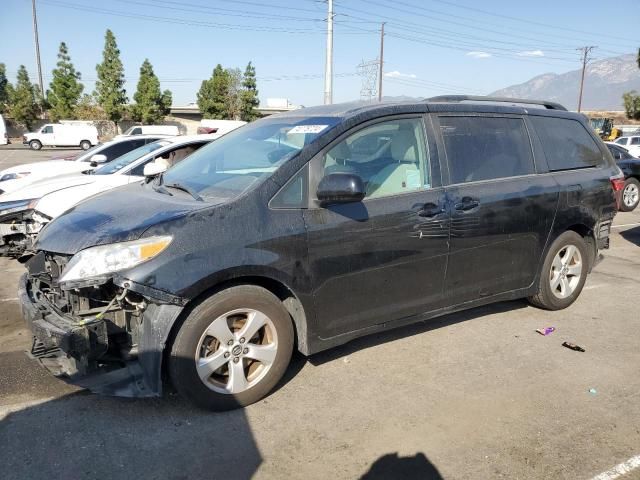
[432,46]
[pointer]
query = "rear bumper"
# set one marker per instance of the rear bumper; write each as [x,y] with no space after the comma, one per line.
[74,350]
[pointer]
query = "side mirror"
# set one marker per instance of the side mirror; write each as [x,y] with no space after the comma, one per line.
[617,156]
[340,188]
[152,169]
[98,158]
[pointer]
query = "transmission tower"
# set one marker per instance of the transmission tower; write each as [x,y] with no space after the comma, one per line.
[369,72]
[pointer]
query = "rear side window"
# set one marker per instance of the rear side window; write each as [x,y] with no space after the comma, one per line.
[635,140]
[484,148]
[567,144]
[121,148]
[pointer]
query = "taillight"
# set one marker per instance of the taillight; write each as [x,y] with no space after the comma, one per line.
[617,183]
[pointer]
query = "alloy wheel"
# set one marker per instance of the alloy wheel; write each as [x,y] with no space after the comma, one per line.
[630,195]
[236,351]
[566,271]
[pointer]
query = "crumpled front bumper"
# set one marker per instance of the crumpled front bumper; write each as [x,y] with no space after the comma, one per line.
[72,349]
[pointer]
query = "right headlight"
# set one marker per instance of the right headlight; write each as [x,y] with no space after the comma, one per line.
[13,176]
[17,206]
[106,259]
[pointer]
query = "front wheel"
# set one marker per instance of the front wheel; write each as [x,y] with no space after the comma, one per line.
[630,195]
[85,145]
[563,273]
[35,145]
[232,349]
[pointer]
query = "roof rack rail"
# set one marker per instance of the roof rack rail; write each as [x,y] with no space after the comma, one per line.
[512,101]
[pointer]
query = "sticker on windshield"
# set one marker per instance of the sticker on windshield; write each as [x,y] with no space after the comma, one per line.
[307,129]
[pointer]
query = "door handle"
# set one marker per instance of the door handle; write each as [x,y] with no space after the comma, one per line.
[467,203]
[430,210]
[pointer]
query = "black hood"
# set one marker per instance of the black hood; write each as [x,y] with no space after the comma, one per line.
[118,215]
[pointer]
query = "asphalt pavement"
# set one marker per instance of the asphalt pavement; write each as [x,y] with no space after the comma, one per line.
[473,395]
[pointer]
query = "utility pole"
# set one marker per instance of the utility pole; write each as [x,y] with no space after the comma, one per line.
[35,36]
[328,69]
[585,58]
[381,62]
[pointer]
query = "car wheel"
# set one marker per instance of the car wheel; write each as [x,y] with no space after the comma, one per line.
[563,273]
[630,195]
[35,145]
[85,145]
[232,349]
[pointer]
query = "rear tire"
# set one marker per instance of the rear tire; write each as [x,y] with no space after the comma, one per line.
[213,365]
[35,145]
[630,195]
[563,273]
[85,144]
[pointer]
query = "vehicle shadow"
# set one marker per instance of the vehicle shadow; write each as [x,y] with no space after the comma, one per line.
[380,338]
[393,466]
[82,435]
[632,235]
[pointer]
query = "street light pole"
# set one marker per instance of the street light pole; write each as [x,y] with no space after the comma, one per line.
[35,37]
[380,71]
[328,69]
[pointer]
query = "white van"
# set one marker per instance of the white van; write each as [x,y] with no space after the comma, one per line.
[150,130]
[4,138]
[219,127]
[62,135]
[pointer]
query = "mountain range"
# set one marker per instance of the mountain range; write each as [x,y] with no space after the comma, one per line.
[605,82]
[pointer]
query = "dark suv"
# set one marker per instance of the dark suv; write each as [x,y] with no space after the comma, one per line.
[308,229]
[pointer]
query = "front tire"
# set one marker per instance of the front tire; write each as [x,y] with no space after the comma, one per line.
[630,195]
[232,349]
[85,145]
[563,273]
[35,145]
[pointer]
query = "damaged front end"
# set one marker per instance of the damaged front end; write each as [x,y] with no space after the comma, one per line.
[18,231]
[107,336]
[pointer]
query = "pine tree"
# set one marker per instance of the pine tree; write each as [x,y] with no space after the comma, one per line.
[151,105]
[65,88]
[4,88]
[249,95]
[22,101]
[213,94]
[110,92]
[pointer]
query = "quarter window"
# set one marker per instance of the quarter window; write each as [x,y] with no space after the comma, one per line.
[567,144]
[390,157]
[484,148]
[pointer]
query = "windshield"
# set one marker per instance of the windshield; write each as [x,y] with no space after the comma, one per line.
[119,163]
[241,159]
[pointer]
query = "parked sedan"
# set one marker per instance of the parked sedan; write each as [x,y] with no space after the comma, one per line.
[24,213]
[15,178]
[630,166]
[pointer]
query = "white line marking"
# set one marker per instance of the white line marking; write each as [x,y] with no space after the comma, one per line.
[8,299]
[626,225]
[591,287]
[620,469]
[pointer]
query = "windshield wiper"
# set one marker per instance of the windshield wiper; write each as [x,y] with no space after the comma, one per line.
[184,188]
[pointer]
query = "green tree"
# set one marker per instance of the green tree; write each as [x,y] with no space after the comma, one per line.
[22,100]
[4,88]
[88,109]
[249,95]
[232,97]
[632,105]
[213,94]
[65,87]
[151,105]
[110,92]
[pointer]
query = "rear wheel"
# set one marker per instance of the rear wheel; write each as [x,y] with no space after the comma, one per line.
[563,273]
[232,349]
[630,195]
[85,144]
[35,145]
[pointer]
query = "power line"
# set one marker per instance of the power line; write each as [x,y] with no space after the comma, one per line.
[532,22]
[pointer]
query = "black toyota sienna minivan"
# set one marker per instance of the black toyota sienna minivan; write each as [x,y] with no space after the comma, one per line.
[307,229]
